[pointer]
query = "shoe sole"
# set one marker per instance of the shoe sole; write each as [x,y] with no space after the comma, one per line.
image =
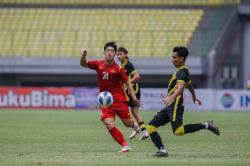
[161,155]
[125,151]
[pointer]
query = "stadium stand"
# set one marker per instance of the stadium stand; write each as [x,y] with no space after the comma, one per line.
[62,32]
[126,2]
[45,37]
[209,29]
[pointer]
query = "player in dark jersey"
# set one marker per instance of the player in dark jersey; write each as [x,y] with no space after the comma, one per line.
[133,76]
[112,77]
[173,112]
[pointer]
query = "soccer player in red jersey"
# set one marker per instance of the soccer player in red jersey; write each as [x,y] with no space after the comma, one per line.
[111,78]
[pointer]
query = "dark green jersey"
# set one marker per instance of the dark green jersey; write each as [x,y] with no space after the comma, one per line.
[180,75]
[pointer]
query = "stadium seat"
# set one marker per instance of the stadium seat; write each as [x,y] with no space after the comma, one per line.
[63,32]
[125,2]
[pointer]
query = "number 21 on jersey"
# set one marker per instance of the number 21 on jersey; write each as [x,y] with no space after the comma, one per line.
[105,75]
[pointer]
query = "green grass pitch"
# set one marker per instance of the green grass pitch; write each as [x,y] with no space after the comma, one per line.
[78,138]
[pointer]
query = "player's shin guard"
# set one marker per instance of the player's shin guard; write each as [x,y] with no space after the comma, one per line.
[142,126]
[117,135]
[191,128]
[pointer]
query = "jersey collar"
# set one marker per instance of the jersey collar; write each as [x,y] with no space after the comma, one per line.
[182,67]
[124,62]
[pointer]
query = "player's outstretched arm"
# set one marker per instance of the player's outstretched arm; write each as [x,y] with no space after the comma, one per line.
[192,91]
[132,93]
[83,61]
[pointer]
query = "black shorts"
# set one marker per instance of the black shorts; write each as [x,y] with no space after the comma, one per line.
[137,90]
[167,115]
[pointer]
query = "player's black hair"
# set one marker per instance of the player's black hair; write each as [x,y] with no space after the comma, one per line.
[111,44]
[181,51]
[122,49]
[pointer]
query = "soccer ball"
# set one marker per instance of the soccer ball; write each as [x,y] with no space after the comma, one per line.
[105,99]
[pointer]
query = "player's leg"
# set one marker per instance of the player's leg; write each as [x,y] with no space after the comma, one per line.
[138,118]
[108,119]
[177,122]
[128,121]
[144,133]
[124,114]
[134,131]
[180,129]
[135,112]
[160,119]
[114,131]
[191,128]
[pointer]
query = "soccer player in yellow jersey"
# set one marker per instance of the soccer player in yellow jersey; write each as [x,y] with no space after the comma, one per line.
[133,76]
[173,112]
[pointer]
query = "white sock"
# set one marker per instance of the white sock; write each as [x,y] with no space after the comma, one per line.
[206,125]
[163,150]
[136,127]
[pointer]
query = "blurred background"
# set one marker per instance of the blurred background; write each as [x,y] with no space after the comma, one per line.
[41,40]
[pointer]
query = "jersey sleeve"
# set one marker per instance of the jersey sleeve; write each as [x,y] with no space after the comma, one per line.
[123,75]
[129,67]
[93,64]
[182,76]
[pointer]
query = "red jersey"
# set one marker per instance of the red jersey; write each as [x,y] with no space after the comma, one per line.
[111,78]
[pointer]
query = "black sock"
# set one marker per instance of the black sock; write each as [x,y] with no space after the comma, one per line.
[156,139]
[190,128]
[142,126]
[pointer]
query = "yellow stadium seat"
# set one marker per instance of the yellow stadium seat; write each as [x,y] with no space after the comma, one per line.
[124,2]
[63,32]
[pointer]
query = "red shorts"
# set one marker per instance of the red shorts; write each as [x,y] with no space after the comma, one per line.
[119,108]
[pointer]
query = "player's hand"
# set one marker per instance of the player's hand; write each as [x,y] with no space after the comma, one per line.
[84,53]
[168,100]
[137,102]
[197,100]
